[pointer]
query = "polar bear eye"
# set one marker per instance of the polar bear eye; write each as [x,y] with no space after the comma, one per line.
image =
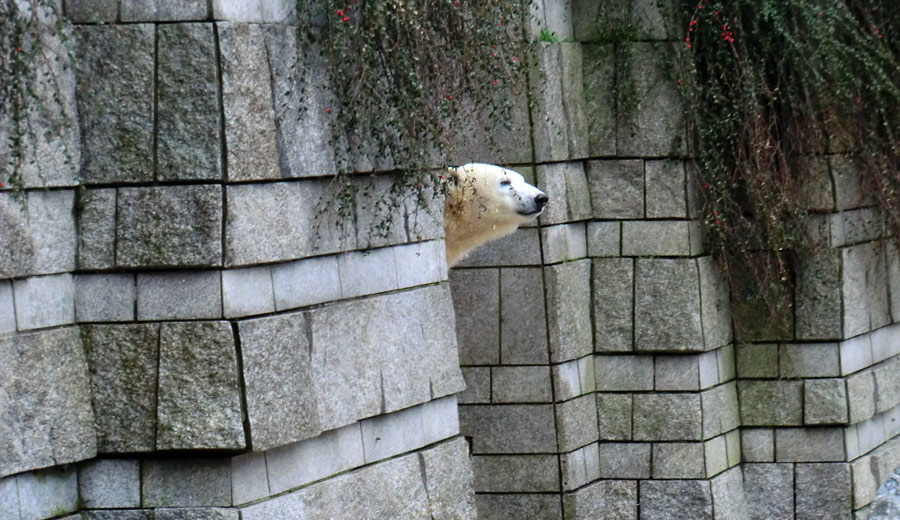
[506,182]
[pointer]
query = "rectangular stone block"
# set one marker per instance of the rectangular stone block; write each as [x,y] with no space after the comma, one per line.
[716,455]
[367,272]
[48,492]
[757,360]
[566,185]
[449,480]
[725,357]
[306,282]
[38,235]
[91,11]
[822,490]
[313,459]
[566,383]
[248,108]
[667,417]
[179,295]
[604,238]
[576,423]
[864,288]
[613,288]
[44,301]
[824,401]
[818,294]
[560,125]
[758,444]
[278,386]
[163,10]
[186,482]
[522,247]
[856,354]
[605,499]
[580,467]
[667,305]
[195,412]
[893,269]
[519,428]
[666,183]
[720,410]
[392,434]
[614,413]
[420,264]
[97,229]
[476,303]
[9,499]
[523,323]
[599,72]
[733,445]
[870,433]
[809,445]
[617,188]
[769,490]
[677,372]
[258,11]
[108,483]
[521,385]
[678,460]
[7,307]
[624,373]
[887,385]
[115,98]
[715,308]
[569,310]
[622,460]
[169,226]
[516,473]
[771,403]
[674,499]
[500,507]
[249,480]
[709,369]
[861,396]
[123,369]
[885,343]
[854,226]
[809,360]
[247,291]
[563,242]
[656,238]
[189,141]
[46,371]
[478,385]
[104,297]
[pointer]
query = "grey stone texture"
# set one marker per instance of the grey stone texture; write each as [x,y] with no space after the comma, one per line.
[306,282]
[97,229]
[603,500]
[856,354]
[449,480]
[44,301]
[771,403]
[613,301]
[38,234]
[625,460]
[640,20]
[614,416]
[757,360]
[516,473]
[720,410]
[623,373]
[599,72]
[122,360]
[420,264]
[822,491]
[656,238]
[478,385]
[769,490]
[887,384]
[580,467]
[715,308]
[667,306]
[47,493]
[476,303]
[520,384]
[560,126]
[300,463]
[809,360]
[186,482]
[367,272]
[389,435]
[864,288]
[667,417]
[728,495]
[678,460]
[564,242]
[247,291]
[617,188]
[514,429]
[188,139]
[522,247]
[893,271]
[91,11]
[566,185]
[666,183]
[861,396]
[824,401]
[677,372]
[250,133]
[279,390]
[675,500]
[9,499]
[502,507]
[604,238]
[854,226]
[260,11]
[249,478]
[169,226]
[809,445]
[196,513]
[104,297]
[45,371]
[199,403]
[163,10]
[109,483]
[7,307]
[569,310]
[115,100]
[523,323]
[576,423]
[179,295]
[715,452]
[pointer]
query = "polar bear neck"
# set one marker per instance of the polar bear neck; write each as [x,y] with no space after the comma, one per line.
[467,226]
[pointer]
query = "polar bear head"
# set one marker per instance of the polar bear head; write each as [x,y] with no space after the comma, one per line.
[484,202]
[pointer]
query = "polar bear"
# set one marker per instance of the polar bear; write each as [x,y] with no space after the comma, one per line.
[484,202]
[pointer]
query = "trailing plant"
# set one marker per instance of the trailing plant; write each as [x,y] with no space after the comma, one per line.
[410,79]
[770,86]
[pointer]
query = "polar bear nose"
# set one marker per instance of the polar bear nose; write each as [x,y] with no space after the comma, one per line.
[541,200]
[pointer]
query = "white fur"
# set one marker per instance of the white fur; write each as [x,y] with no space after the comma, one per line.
[485,202]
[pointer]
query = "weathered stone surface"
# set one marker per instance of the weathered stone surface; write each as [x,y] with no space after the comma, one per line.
[728,495]
[104,297]
[523,247]
[367,272]
[893,270]
[887,385]
[199,397]
[115,514]
[449,480]
[163,10]
[38,235]
[614,416]
[252,146]
[523,323]
[822,491]
[678,372]
[563,242]
[757,360]
[715,306]
[625,460]
[516,473]
[476,303]
[569,310]
[7,307]
[617,188]
[503,507]
[280,394]
[650,118]
[819,295]
[667,306]
[9,499]
[107,483]
[678,460]
[675,500]
[566,185]
[656,238]
[186,482]
[613,286]
[560,126]
[306,282]
[196,513]
[47,493]
[123,368]
[91,11]
[758,444]
[604,238]
[521,428]
[854,226]
[599,100]
[262,11]
[420,264]
[247,291]
[861,396]
[580,467]
[97,229]
[809,444]
[864,288]
[189,144]
[809,360]
[825,401]
[249,478]
[761,310]
[667,417]
[709,369]
[179,295]
[389,435]
[301,463]
[478,385]
[716,454]
[615,19]
[115,101]
[603,500]
[169,226]
[521,384]
[45,417]
[720,410]
[767,403]
[576,423]
[44,301]
[665,184]
[624,373]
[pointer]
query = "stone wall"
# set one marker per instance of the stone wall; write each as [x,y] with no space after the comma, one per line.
[188,332]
